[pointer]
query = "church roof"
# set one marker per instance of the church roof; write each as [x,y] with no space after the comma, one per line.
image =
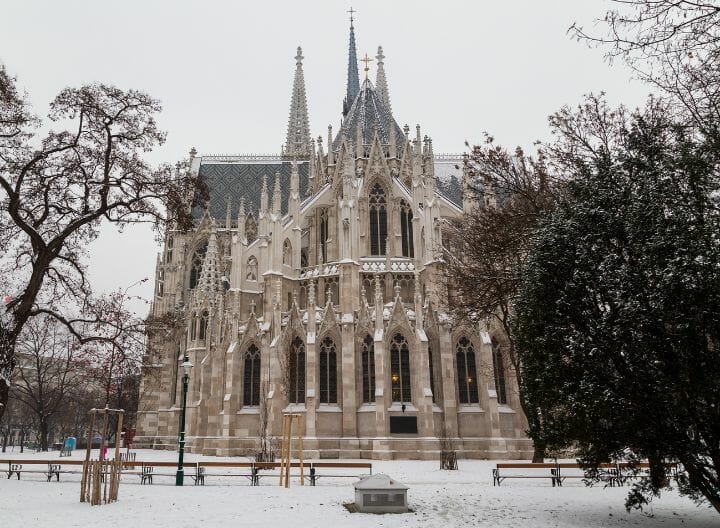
[367,114]
[239,177]
[448,173]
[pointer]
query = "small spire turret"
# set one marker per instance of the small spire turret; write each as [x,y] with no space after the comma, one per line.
[330,160]
[264,195]
[209,283]
[381,86]
[277,203]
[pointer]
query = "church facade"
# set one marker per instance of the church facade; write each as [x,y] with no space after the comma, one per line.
[313,283]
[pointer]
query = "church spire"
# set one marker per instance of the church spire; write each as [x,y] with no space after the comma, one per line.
[353,81]
[209,282]
[298,133]
[381,86]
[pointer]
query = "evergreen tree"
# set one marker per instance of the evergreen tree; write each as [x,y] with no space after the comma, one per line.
[617,321]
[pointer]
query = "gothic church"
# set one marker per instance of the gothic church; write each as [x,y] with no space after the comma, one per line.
[313,283]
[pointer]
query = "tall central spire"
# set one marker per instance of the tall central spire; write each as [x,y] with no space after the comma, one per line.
[298,132]
[353,81]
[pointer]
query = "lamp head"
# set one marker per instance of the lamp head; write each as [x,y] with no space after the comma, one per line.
[187,367]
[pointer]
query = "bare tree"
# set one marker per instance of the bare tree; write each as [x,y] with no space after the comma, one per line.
[50,369]
[56,191]
[116,359]
[267,443]
[485,253]
[672,44]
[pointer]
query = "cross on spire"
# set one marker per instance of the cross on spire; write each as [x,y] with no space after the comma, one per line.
[352,12]
[366,60]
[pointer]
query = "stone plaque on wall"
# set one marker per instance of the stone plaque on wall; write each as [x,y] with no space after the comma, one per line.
[403,425]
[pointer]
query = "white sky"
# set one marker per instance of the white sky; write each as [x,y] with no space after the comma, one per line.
[223,71]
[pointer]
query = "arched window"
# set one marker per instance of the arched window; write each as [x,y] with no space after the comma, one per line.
[466,371]
[368,369]
[297,371]
[323,235]
[252,269]
[378,220]
[406,228]
[193,328]
[250,228]
[169,253]
[499,370]
[400,369]
[251,377]
[202,331]
[287,253]
[197,263]
[161,282]
[328,371]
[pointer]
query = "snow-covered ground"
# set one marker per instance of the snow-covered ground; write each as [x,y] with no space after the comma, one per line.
[439,498]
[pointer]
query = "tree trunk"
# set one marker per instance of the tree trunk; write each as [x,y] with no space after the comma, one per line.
[538,452]
[22,441]
[539,445]
[43,435]
[4,396]
[703,481]
[4,443]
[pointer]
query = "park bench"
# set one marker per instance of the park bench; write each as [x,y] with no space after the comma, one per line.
[325,466]
[608,473]
[224,469]
[16,467]
[612,473]
[271,466]
[148,470]
[628,471]
[509,470]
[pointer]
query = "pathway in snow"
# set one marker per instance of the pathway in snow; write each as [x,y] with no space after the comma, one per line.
[440,499]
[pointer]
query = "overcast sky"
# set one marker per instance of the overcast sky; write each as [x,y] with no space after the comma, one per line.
[223,71]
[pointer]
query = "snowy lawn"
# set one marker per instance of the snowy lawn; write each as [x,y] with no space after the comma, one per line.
[439,498]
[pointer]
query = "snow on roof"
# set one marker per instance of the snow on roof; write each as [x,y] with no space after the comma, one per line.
[379,481]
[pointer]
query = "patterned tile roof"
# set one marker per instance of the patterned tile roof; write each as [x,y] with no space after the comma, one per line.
[237,178]
[368,113]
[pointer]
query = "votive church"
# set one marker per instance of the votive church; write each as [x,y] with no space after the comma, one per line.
[313,283]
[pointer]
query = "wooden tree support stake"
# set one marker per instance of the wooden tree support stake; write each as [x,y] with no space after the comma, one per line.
[285,448]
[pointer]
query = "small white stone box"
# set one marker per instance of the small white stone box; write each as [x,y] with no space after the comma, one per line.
[380,494]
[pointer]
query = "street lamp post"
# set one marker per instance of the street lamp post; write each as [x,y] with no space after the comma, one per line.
[179,476]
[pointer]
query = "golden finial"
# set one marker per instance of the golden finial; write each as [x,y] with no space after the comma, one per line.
[366,60]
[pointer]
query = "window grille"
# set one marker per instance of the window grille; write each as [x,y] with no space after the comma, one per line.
[378,220]
[499,370]
[328,371]
[323,234]
[368,369]
[197,264]
[251,378]
[297,371]
[400,369]
[466,371]
[406,229]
